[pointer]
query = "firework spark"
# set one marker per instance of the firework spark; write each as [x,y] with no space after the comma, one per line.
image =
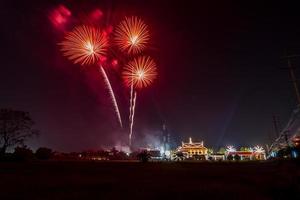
[140,72]
[132,35]
[84,45]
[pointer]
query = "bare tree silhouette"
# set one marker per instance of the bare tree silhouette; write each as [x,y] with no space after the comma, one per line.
[15,128]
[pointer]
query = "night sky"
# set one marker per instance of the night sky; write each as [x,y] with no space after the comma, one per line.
[221,72]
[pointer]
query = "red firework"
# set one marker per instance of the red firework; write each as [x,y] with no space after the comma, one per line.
[84,45]
[132,35]
[140,72]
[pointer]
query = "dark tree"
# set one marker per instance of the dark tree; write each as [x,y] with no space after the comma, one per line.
[237,157]
[122,156]
[15,128]
[230,157]
[23,154]
[144,156]
[43,153]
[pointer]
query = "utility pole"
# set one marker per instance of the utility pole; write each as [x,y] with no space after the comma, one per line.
[293,76]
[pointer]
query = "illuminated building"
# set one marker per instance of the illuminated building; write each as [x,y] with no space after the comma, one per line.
[194,150]
[258,153]
[243,155]
[217,156]
[296,141]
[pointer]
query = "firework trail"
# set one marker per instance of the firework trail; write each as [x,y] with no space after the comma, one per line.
[112,95]
[86,45]
[132,117]
[130,106]
[138,73]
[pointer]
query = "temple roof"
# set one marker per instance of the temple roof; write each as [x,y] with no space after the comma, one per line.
[192,144]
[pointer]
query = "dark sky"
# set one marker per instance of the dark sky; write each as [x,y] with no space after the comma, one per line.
[220,72]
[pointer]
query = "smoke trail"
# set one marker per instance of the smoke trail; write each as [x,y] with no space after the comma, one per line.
[130,110]
[132,118]
[112,95]
[130,106]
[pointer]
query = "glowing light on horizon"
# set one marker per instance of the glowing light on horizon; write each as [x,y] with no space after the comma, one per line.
[140,72]
[84,45]
[168,153]
[230,149]
[132,35]
[259,149]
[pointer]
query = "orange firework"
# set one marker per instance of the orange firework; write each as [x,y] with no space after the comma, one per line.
[84,45]
[132,35]
[140,72]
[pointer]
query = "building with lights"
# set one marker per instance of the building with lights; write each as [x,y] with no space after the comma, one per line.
[193,150]
[243,155]
[217,157]
[258,153]
[296,141]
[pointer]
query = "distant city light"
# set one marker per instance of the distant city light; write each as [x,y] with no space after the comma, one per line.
[167,153]
[230,149]
[294,154]
[273,154]
[258,149]
[162,150]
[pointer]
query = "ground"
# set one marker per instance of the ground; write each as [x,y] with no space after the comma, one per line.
[134,180]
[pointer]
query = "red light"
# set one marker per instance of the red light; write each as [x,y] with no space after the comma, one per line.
[102,59]
[65,11]
[114,63]
[59,16]
[109,29]
[96,14]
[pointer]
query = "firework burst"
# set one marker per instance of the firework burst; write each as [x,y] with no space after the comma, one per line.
[132,35]
[84,45]
[87,45]
[140,72]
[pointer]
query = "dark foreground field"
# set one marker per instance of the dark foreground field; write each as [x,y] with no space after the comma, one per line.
[132,180]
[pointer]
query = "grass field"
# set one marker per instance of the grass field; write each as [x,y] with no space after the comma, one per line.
[133,180]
